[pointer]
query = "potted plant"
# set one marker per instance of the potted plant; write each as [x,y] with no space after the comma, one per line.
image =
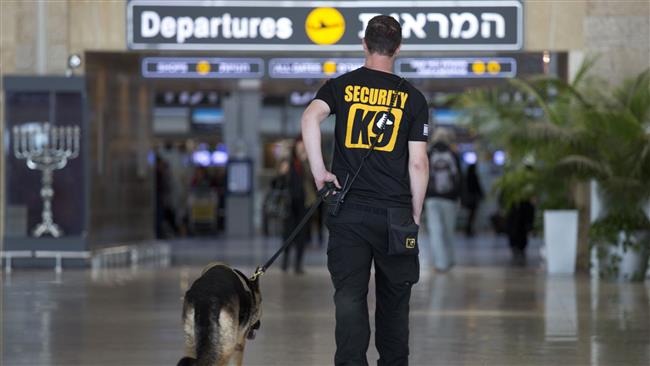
[542,121]
[614,150]
[576,133]
[621,245]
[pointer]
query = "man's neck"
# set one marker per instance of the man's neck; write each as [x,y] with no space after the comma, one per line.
[379,63]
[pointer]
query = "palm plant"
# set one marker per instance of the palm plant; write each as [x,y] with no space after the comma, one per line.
[583,132]
[614,149]
[540,124]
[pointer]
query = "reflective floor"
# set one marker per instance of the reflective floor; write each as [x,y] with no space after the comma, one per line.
[483,312]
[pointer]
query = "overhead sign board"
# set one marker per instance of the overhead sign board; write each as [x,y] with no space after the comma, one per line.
[320,68]
[456,67]
[196,67]
[312,68]
[321,26]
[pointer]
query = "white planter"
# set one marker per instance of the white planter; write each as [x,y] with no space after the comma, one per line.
[630,264]
[561,240]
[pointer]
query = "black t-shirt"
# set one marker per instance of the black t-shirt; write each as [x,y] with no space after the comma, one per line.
[359,99]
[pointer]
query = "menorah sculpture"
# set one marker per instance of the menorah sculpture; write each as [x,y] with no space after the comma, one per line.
[46,148]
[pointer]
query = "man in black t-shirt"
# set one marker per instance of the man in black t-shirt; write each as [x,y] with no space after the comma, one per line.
[395,175]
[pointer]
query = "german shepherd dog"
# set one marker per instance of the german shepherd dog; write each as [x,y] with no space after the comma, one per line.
[220,310]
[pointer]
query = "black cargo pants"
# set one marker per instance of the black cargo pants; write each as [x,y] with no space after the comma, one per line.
[359,236]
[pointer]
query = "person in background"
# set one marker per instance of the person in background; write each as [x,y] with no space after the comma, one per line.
[180,171]
[297,207]
[220,188]
[174,173]
[311,195]
[520,219]
[201,179]
[277,201]
[472,196]
[441,203]
[165,216]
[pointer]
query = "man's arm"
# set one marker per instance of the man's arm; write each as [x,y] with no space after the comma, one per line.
[419,175]
[316,112]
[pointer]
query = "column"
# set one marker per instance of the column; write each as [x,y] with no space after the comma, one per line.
[241,135]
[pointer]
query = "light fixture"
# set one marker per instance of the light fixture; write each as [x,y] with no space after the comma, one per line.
[201,158]
[219,158]
[470,157]
[546,57]
[74,61]
[499,157]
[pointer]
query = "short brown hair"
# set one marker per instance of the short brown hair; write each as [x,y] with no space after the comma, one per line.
[383,35]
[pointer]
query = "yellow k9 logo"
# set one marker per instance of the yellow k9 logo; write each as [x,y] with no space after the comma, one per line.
[362,127]
[410,243]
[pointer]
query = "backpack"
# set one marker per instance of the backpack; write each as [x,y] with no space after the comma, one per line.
[443,172]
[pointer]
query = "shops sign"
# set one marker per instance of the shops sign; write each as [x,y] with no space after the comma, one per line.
[204,68]
[321,26]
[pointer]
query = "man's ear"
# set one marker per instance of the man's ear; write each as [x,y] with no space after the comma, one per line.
[397,51]
[365,46]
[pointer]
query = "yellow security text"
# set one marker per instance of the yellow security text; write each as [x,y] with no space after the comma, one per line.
[374,96]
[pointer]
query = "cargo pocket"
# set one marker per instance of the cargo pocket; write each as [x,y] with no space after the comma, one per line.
[402,232]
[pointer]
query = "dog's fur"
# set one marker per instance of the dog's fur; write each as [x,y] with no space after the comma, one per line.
[220,310]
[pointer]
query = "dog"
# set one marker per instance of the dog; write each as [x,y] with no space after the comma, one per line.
[221,310]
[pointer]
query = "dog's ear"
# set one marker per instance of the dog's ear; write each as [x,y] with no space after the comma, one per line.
[187,361]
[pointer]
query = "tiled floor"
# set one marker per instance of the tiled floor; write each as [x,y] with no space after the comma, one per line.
[484,312]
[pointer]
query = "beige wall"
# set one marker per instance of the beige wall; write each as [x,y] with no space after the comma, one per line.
[70,26]
[615,31]
[97,25]
[553,25]
[618,33]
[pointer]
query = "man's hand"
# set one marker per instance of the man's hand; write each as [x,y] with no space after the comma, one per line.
[322,177]
[417,219]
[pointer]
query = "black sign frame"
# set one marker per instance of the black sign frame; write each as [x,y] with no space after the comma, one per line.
[462,23]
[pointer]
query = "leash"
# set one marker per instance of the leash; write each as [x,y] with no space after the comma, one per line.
[329,190]
[322,194]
